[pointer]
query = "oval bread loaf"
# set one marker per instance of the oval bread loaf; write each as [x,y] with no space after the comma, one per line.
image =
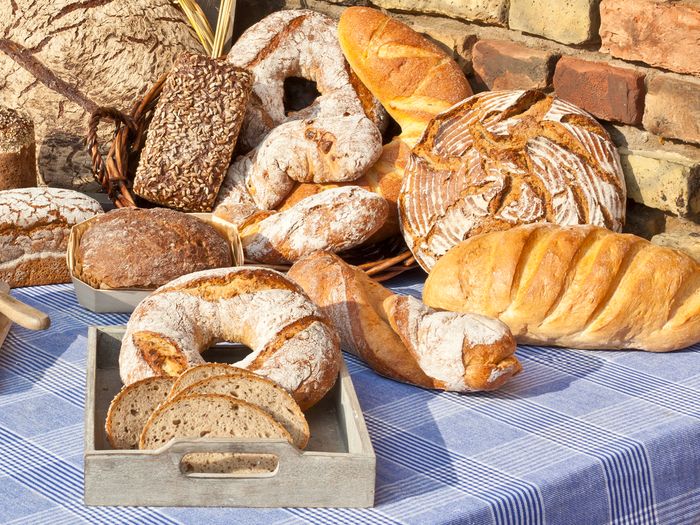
[575,286]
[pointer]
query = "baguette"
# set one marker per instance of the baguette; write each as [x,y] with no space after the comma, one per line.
[577,286]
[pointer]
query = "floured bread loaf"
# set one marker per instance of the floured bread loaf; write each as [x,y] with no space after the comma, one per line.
[17,150]
[505,158]
[400,337]
[575,286]
[34,228]
[131,408]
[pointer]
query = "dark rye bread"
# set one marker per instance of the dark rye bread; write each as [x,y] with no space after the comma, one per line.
[504,158]
[146,248]
[193,133]
[131,408]
[262,393]
[17,150]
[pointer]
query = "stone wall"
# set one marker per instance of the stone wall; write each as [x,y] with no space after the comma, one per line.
[635,65]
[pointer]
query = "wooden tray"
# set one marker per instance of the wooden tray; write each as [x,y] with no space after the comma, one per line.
[337,469]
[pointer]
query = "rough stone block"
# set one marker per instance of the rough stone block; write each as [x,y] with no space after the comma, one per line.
[686,242]
[500,64]
[658,32]
[673,107]
[492,11]
[605,91]
[568,21]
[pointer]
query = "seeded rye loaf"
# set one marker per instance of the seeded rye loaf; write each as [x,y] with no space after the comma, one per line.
[34,228]
[131,408]
[17,150]
[146,248]
[212,415]
[264,394]
[193,133]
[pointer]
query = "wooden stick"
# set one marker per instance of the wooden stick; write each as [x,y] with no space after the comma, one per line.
[23,314]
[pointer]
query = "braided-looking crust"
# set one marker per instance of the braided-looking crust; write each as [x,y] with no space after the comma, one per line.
[293,343]
[400,337]
[576,286]
[505,158]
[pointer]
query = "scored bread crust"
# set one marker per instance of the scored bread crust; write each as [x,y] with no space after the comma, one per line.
[412,78]
[292,342]
[575,286]
[504,158]
[263,418]
[121,397]
[290,417]
[401,338]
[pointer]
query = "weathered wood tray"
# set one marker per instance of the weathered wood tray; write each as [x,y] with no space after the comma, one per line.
[337,469]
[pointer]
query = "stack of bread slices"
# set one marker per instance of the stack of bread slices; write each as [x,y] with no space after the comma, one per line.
[210,400]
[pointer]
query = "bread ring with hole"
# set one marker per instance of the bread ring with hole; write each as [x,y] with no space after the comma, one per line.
[331,140]
[292,342]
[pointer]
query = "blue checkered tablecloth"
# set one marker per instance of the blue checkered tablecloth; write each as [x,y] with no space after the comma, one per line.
[579,437]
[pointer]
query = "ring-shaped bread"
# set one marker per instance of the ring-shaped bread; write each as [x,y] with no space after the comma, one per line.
[330,140]
[292,342]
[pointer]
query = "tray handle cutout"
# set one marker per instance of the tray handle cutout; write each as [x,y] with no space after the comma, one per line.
[227,458]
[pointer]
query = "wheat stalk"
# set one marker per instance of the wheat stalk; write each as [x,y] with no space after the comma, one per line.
[222,26]
[199,23]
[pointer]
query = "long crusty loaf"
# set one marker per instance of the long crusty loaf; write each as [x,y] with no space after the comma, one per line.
[34,228]
[576,286]
[264,394]
[131,408]
[400,337]
[412,78]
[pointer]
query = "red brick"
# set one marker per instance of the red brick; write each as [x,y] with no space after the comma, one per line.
[608,92]
[673,107]
[499,64]
[658,32]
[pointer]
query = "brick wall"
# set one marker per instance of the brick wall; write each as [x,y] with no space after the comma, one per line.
[635,65]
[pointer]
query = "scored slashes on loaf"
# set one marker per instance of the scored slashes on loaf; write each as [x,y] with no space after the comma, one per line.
[575,286]
[505,158]
[400,337]
[34,228]
[193,133]
[292,342]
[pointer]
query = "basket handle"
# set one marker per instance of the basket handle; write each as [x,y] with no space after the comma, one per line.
[98,164]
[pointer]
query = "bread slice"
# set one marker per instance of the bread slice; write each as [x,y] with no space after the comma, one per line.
[199,372]
[131,408]
[261,392]
[211,415]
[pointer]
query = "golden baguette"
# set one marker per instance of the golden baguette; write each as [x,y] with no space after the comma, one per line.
[576,286]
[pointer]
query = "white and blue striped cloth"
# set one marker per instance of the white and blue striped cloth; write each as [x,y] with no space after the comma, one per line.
[579,437]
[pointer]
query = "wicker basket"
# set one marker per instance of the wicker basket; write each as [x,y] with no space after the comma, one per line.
[115,173]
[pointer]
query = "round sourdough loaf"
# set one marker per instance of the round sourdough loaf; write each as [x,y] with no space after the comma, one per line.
[504,158]
[292,342]
[17,150]
[146,248]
